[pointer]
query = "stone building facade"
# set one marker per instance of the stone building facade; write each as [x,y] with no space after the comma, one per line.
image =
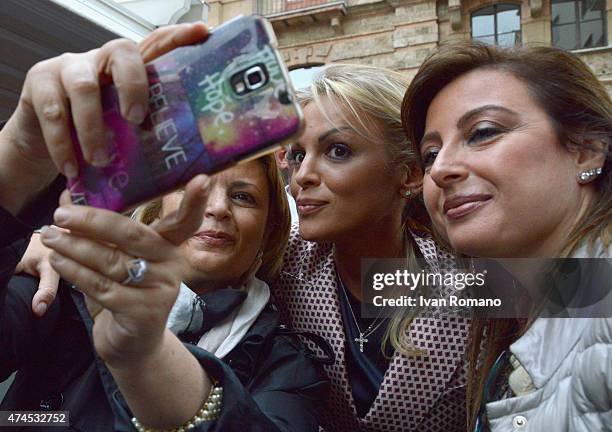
[399,34]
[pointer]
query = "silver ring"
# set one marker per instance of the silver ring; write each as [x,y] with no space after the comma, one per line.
[136,270]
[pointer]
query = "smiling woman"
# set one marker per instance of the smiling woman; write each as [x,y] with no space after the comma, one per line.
[127,344]
[351,174]
[223,311]
[232,232]
[515,146]
[485,210]
[494,160]
[244,219]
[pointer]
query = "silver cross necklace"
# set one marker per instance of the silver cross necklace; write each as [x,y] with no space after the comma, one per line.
[363,335]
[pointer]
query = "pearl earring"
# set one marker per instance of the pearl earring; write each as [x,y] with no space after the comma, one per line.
[408,193]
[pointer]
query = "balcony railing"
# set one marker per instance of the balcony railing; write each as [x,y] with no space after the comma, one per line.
[281,7]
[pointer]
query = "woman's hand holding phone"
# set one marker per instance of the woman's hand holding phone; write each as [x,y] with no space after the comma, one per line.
[93,251]
[36,143]
[148,362]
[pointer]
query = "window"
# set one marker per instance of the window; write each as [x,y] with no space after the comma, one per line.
[498,24]
[578,24]
[302,77]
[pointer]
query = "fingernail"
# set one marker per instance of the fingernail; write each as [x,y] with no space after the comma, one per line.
[70,170]
[136,114]
[100,158]
[61,215]
[204,182]
[41,308]
[50,234]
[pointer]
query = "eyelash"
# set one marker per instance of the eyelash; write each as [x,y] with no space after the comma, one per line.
[429,157]
[293,156]
[243,196]
[482,134]
[344,148]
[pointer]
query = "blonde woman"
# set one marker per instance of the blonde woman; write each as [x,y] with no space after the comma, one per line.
[524,170]
[356,181]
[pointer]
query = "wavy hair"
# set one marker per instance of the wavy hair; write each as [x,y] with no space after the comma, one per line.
[369,99]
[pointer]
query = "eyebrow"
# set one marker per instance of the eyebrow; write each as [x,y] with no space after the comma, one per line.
[472,113]
[332,131]
[434,135]
[243,184]
[430,136]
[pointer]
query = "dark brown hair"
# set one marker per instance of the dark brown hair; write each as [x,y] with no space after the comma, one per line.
[577,104]
[579,110]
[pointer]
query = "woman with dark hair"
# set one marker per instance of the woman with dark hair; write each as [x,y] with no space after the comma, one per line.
[515,146]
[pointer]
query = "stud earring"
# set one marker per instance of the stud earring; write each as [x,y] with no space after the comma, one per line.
[408,193]
[589,175]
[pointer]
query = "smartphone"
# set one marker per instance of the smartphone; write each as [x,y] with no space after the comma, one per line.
[211,105]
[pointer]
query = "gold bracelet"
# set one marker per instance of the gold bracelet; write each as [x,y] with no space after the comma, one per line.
[209,411]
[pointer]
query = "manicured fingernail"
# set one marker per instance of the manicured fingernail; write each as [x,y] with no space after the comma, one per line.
[61,215]
[100,158]
[70,170]
[41,308]
[136,114]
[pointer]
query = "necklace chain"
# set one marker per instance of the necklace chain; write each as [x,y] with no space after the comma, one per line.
[362,339]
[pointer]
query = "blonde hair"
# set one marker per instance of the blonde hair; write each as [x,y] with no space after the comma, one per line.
[369,100]
[355,90]
[278,225]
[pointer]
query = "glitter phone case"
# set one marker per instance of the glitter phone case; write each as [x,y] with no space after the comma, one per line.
[211,105]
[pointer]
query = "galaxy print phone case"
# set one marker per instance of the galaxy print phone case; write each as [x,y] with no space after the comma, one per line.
[211,105]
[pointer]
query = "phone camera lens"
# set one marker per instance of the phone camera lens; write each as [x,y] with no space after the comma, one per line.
[255,77]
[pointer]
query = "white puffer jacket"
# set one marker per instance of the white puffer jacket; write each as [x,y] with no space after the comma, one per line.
[569,362]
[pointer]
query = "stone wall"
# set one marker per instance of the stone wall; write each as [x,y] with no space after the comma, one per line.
[600,61]
[396,34]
